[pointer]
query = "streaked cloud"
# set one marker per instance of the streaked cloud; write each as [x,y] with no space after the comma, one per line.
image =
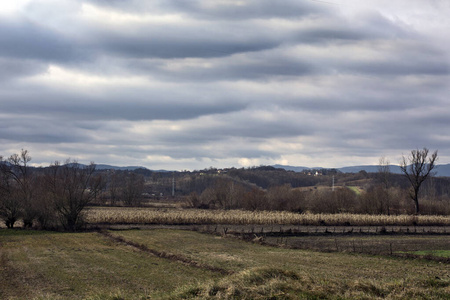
[192,84]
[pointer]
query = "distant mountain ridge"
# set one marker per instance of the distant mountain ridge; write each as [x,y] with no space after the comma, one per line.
[440,170]
[109,167]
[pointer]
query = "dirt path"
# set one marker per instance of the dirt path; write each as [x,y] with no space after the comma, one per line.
[290,229]
[173,257]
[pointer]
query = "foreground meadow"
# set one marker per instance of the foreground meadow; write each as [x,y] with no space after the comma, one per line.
[175,264]
[48,265]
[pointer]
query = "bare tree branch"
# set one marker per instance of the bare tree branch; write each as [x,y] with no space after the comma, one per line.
[417,168]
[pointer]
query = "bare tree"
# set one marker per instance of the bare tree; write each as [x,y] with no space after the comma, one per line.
[46,217]
[416,168]
[384,176]
[132,189]
[16,190]
[22,177]
[72,187]
[113,187]
[255,199]
[10,206]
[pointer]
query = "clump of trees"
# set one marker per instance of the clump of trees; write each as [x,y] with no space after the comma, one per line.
[16,190]
[123,187]
[71,188]
[54,198]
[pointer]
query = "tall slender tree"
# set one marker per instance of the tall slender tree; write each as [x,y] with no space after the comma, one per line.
[384,177]
[417,168]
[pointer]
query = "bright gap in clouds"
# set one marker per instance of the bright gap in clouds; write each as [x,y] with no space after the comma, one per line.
[57,75]
[12,6]
[112,17]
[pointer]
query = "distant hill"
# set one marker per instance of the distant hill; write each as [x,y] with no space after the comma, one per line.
[443,170]
[128,168]
[440,170]
[109,167]
[290,168]
[369,169]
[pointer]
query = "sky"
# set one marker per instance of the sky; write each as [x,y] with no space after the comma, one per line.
[192,84]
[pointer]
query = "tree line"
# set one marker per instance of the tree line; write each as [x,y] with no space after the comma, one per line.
[383,193]
[56,197]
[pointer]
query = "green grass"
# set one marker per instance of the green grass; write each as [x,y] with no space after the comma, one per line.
[438,253]
[356,189]
[372,244]
[43,265]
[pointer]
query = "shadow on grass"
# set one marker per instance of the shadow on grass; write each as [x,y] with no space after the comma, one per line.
[24,232]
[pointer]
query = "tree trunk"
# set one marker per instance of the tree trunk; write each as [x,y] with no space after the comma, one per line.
[416,202]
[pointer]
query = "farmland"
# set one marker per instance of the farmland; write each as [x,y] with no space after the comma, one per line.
[167,252]
[430,246]
[140,215]
[173,264]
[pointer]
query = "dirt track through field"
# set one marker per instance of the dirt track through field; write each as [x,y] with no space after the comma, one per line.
[165,255]
[290,229]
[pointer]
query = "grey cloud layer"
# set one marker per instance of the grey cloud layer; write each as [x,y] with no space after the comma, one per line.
[219,81]
[234,10]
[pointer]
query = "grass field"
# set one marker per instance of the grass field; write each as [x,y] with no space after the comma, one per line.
[397,244]
[84,265]
[174,264]
[437,253]
[356,189]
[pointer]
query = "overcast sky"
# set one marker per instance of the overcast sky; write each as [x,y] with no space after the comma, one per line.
[190,84]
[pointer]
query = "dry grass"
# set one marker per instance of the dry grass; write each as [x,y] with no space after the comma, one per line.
[126,215]
[42,265]
[261,272]
[49,265]
[272,283]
